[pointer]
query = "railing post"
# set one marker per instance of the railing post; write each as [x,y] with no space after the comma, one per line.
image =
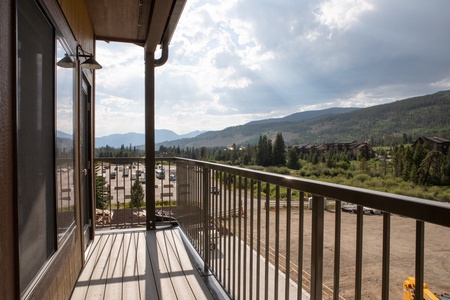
[205,185]
[337,249]
[386,255]
[317,237]
[420,242]
[359,252]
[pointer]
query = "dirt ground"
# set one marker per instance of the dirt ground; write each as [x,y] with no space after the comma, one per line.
[437,251]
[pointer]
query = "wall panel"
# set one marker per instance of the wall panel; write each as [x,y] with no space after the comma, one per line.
[77,15]
[8,250]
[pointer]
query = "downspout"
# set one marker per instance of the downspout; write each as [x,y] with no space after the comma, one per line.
[164,55]
[150,64]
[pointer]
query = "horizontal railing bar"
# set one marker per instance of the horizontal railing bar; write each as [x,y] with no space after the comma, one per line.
[133,159]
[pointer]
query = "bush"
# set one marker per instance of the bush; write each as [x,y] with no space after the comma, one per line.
[279,170]
[362,177]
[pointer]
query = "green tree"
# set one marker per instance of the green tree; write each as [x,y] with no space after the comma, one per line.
[407,162]
[137,194]
[234,154]
[279,151]
[315,159]
[102,193]
[293,162]
[264,156]
[431,171]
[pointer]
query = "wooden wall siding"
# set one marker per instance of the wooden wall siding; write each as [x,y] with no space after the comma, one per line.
[61,276]
[8,279]
[77,15]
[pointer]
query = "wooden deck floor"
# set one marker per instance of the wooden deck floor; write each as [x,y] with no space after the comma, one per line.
[140,265]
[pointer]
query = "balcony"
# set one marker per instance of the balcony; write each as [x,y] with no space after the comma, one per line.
[253,231]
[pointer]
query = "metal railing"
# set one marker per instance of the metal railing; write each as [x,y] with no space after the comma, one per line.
[120,191]
[250,226]
[264,236]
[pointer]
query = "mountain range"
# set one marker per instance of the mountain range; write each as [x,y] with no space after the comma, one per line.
[165,137]
[138,139]
[427,115]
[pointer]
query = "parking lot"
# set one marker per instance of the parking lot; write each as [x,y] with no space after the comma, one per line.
[120,179]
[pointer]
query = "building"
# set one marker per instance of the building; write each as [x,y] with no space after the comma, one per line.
[355,148]
[47,62]
[433,143]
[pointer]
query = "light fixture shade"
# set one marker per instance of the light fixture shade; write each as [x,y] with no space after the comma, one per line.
[66,62]
[91,63]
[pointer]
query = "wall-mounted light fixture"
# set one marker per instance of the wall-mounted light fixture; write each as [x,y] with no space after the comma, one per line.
[89,63]
[66,62]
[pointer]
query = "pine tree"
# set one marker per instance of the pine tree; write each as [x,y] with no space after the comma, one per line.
[293,162]
[279,151]
[264,157]
[137,194]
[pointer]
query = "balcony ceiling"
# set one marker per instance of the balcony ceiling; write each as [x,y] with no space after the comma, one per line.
[143,22]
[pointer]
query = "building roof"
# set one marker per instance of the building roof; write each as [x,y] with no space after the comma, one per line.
[142,22]
[435,139]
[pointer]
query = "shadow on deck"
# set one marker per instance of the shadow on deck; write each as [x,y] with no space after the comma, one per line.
[139,264]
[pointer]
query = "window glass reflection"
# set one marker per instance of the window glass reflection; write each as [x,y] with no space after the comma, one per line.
[64,145]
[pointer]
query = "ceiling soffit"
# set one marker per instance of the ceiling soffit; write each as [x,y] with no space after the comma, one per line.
[143,22]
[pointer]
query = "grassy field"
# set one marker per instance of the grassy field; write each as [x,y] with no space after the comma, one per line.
[374,176]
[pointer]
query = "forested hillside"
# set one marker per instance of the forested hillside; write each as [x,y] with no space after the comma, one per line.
[397,122]
[427,115]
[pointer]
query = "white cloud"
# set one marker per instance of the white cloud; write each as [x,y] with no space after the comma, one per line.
[231,62]
[341,14]
[444,83]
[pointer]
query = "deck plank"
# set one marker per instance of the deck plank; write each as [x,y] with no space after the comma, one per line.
[192,276]
[114,275]
[96,250]
[173,268]
[98,279]
[162,277]
[130,288]
[147,283]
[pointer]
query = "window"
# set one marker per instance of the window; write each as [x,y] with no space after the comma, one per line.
[65,156]
[35,111]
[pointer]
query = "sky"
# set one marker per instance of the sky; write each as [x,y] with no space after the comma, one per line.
[235,61]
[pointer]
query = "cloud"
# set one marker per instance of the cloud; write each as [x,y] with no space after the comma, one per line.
[341,14]
[234,61]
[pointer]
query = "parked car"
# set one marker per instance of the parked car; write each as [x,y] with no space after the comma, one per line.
[172,177]
[112,175]
[352,208]
[160,174]
[215,191]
